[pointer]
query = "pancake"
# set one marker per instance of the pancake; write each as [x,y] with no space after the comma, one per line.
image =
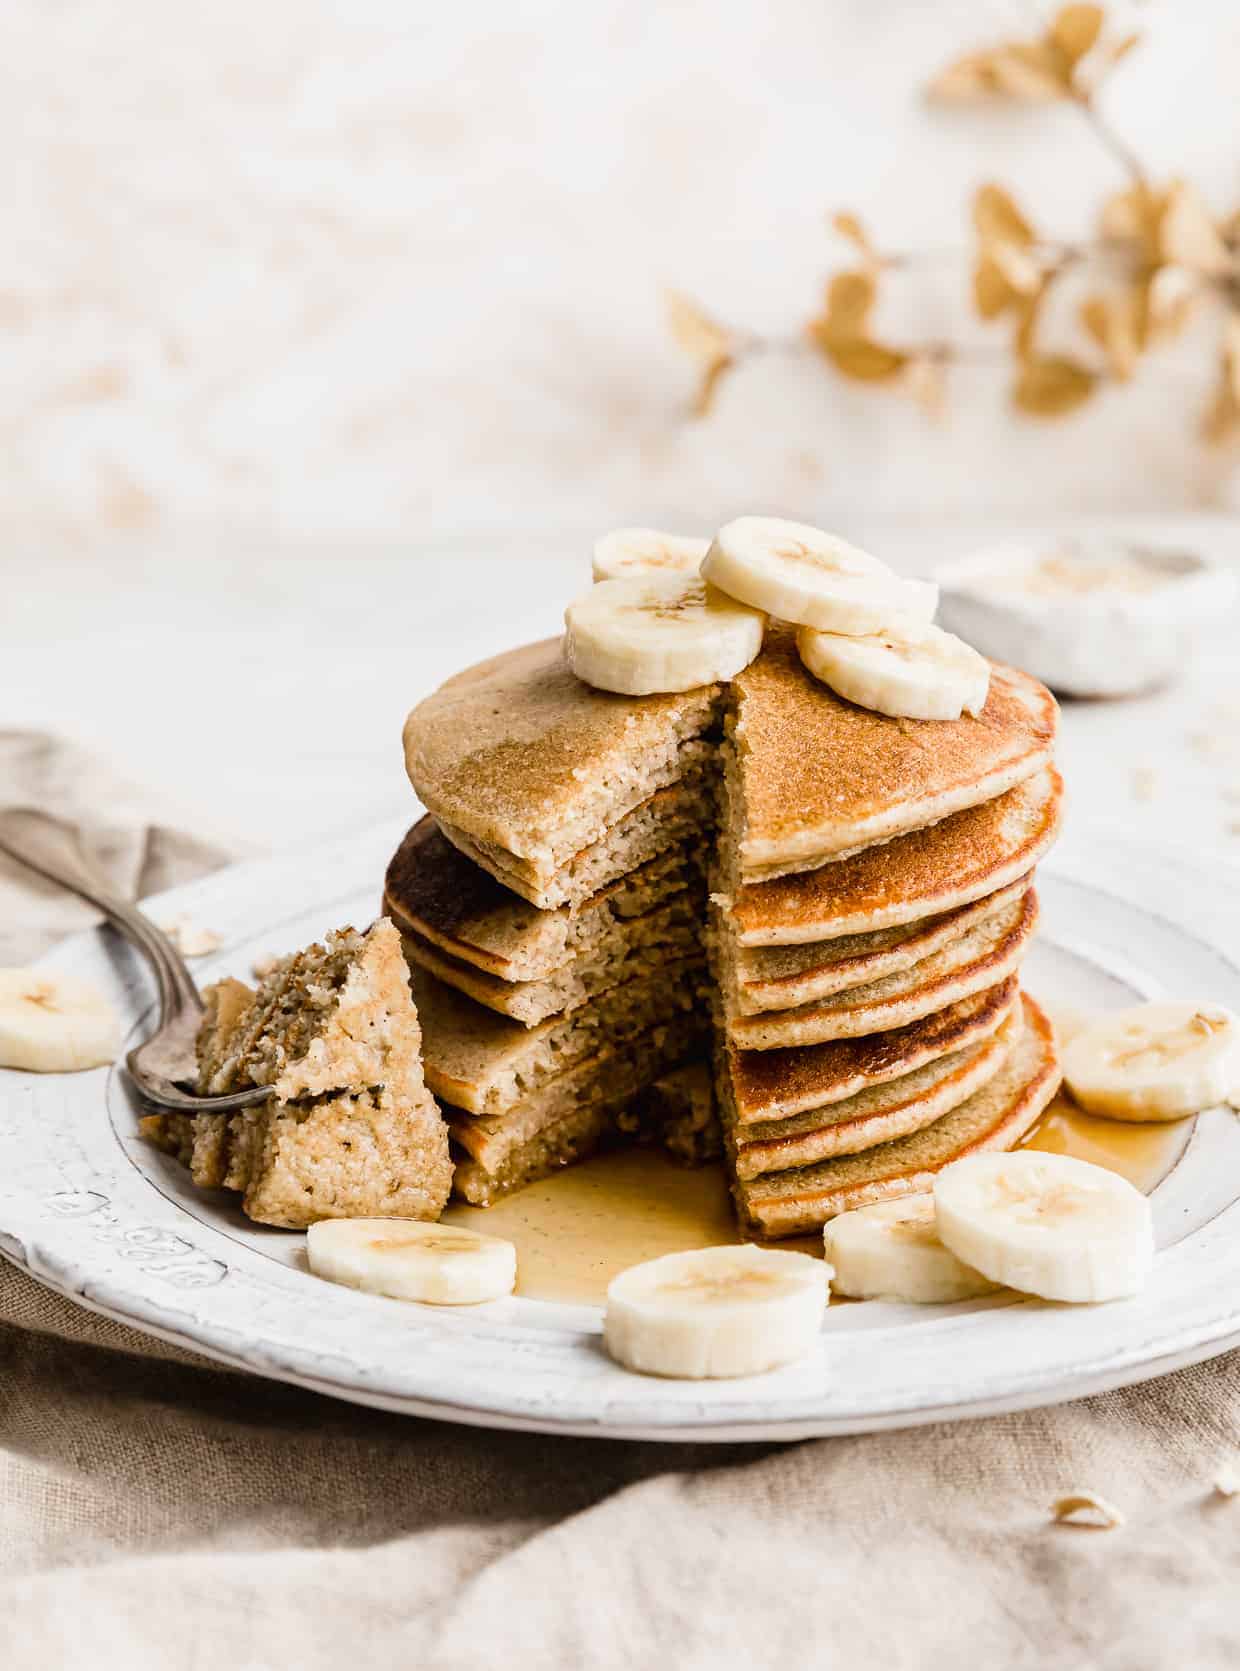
[571,1139]
[773,1084]
[963,858]
[603,1078]
[996,1117]
[976,960]
[523,759]
[486,1063]
[434,892]
[812,778]
[759,978]
[676,1113]
[631,948]
[877,1115]
[670,817]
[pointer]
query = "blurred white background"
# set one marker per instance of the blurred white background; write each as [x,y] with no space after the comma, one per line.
[299,270]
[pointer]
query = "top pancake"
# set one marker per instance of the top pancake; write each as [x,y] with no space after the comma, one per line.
[524,766]
[813,778]
[965,857]
[521,755]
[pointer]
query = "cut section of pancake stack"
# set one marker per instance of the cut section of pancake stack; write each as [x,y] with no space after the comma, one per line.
[832,903]
[870,1022]
[552,909]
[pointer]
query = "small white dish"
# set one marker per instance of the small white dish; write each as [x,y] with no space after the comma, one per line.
[1093,617]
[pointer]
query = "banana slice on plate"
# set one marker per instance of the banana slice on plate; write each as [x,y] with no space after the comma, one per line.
[1047,1224]
[892,1251]
[1155,1061]
[628,551]
[438,1264]
[802,574]
[659,632]
[716,1312]
[54,1023]
[910,670]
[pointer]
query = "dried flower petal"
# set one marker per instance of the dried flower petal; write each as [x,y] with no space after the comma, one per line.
[850,299]
[866,361]
[966,78]
[926,379]
[1075,30]
[1171,296]
[1052,386]
[710,345]
[992,294]
[1121,48]
[849,226]
[1031,71]
[1116,323]
[1087,1509]
[1222,420]
[1027,315]
[1188,235]
[997,219]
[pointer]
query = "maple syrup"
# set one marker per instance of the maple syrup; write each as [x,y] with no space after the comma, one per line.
[575,1231]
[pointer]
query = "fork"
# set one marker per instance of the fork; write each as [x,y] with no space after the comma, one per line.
[165,1062]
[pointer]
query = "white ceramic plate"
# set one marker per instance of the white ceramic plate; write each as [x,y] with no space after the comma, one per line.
[94,1212]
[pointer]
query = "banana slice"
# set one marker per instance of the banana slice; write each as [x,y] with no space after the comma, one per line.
[1047,1224]
[800,574]
[54,1023]
[892,1251]
[659,632]
[629,551]
[1155,1061]
[715,1312]
[911,670]
[438,1264]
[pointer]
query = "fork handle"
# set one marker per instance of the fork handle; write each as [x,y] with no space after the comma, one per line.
[48,847]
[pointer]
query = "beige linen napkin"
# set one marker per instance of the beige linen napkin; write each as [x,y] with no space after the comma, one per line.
[158,1512]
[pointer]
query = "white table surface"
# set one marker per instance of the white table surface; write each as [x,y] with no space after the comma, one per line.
[260,693]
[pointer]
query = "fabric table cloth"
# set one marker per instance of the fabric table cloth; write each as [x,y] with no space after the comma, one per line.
[158,1511]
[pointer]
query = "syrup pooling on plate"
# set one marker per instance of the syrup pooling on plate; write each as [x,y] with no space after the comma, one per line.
[577,1230]
[1144,1154]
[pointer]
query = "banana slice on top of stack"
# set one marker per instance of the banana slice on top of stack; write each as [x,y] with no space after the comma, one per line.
[659,632]
[694,612]
[629,551]
[812,578]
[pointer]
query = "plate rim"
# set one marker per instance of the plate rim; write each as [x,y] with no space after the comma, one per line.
[706,1418]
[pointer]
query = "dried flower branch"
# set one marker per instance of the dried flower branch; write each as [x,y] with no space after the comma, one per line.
[712,347]
[1158,254]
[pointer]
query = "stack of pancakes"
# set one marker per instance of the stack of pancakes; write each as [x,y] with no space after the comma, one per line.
[870,902]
